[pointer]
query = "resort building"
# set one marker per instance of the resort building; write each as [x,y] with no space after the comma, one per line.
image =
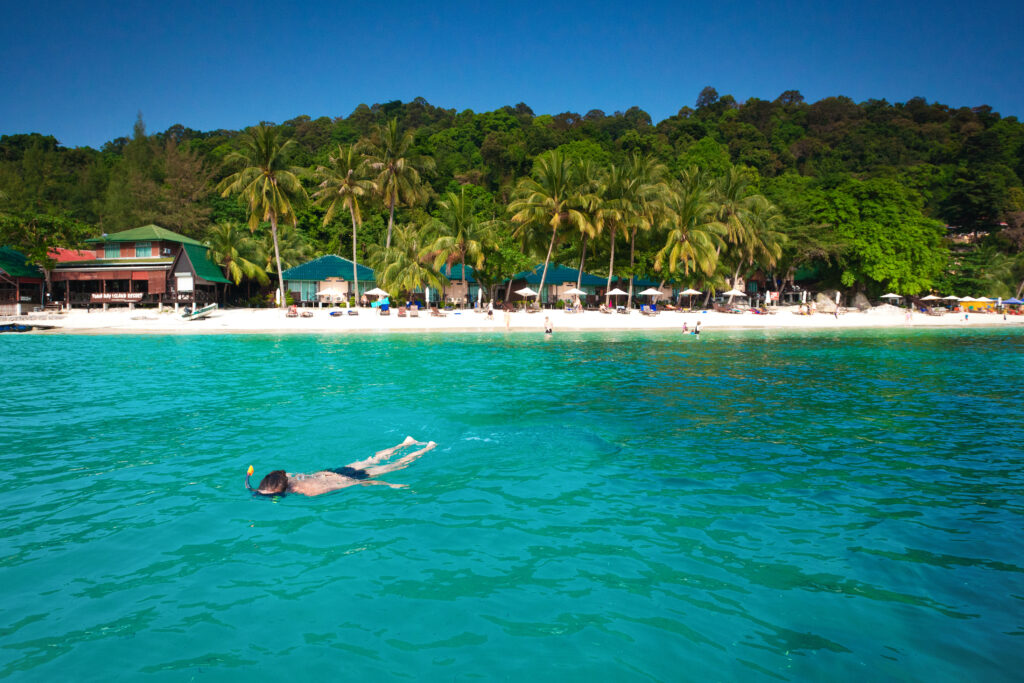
[559,279]
[21,284]
[332,274]
[147,265]
[462,288]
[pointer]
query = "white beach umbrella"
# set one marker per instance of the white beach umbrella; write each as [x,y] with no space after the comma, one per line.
[526,291]
[733,292]
[616,292]
[690,292]
[574,292]
[931,297]
[330,291]
[890,295]
[969,299]
[650,291]
[984,300]
[376,291]
[951,297]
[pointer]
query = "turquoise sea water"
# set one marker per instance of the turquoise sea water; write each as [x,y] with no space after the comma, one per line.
[628,506]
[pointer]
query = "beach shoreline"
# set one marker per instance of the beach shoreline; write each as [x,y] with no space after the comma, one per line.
[274,321]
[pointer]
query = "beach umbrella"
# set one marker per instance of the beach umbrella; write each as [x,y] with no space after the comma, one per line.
[690,293]
[616,292]
[574,292]
[951,297]
[1013,301]
[931,297]
[984,300]
[426,296]
[890,295]
[733,292]
[969,299]
[479,296]
[526,291]
[650,291]
[376,291]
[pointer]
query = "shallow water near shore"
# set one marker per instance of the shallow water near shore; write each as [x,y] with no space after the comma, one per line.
[758,505]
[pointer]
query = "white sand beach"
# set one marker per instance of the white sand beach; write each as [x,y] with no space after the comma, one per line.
[274,321]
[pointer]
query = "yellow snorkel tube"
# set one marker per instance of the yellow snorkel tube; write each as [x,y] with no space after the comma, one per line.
[247,475]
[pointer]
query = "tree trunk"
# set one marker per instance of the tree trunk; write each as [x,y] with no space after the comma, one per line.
[277,256]
[583,255]
[355,272]
[611,267]
[735,279]
[1020,289]
[391,221]
[632,251]
[544,273]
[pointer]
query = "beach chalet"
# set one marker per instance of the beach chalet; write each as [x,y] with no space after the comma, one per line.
[559,279]
[327,273]
[147,265]
[457,290]
[21,284]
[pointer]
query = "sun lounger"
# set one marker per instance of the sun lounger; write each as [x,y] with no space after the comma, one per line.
[307,314]
[401,311]
[414,311]
[436,313]
[622,309]
[604,309]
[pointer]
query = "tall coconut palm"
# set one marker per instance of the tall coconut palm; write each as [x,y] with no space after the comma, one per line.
[460,233]
[593,186]
[617,209]
[763,238]
[404,267]
[266,182]
[695,235]
[342,184]
[389,155]
[230,247]
[550,200]
[648,192]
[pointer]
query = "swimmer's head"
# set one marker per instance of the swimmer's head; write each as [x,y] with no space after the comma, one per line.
[274,483]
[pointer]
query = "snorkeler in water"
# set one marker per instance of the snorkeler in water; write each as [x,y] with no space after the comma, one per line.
[361,473]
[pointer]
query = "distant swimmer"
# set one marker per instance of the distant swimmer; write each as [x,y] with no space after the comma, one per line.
[279,482]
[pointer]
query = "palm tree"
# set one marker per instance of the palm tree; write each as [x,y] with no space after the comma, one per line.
[460,234]
[229,248]
[551,200]
[292,249]
[592,180]
[763,238]
[404,267]
[398,171]
[616,208]
[648,191]
[342,185]
[695,234]
[266,182]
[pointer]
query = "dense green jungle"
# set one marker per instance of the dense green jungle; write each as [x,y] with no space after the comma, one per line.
[870,196]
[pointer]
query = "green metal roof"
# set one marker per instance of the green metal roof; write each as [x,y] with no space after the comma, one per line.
[147,233]
[15,264]
[324,267]
[637,282]
[456,273]
[205,268]
[558,274]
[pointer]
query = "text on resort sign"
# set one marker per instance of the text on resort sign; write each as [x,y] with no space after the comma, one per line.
[118,296]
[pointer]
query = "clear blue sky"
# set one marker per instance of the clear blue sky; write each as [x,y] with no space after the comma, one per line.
[81,71]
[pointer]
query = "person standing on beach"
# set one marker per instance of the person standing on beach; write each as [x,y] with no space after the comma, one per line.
[508,317]
[547,326]
[696,330]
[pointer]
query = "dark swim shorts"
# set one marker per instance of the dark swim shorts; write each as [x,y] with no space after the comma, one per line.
[351,472]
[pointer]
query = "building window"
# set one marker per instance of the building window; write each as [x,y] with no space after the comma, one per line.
[112,250]
[143,249]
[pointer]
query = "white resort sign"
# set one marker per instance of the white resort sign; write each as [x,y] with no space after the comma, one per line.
[118,296]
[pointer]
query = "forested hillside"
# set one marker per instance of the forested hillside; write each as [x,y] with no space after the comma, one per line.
[909,196]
